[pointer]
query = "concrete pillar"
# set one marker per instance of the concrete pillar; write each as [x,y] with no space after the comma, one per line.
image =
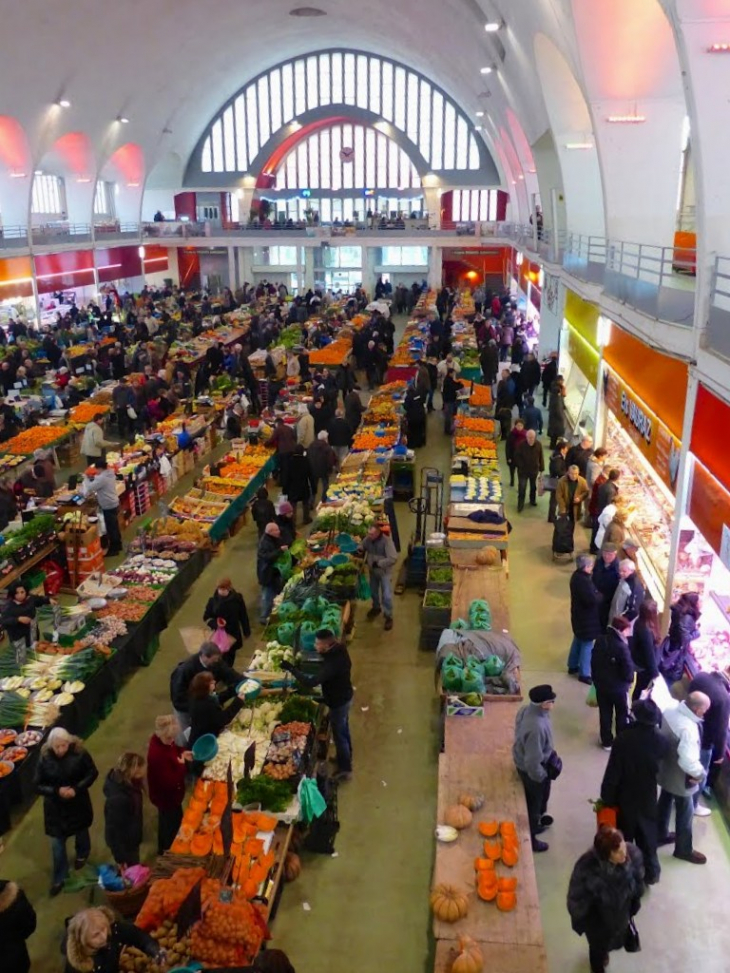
[432,204]
[369,263]
[308,268]
[552,307]
[244,256]
[435,268]
[232,275]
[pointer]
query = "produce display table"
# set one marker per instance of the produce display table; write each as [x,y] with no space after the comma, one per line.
[16,573]
[477,758]
[233,511]
[471,581]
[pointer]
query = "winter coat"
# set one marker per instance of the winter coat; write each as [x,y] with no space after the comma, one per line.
[489,363]
[682,728]
[643,648]
[615,534]
[106,960]
[287,529]
[529,460]
[562,493]
[603,897]
[556,413]
[322,458]
[17,923]
[12,611]
[715,720]
[340,432]
[232,609]
[262,512]
[333,675]
[322,416]
[630,779]
[514,440]
[165,774]
[628,598]
[184,673]
[305,430]
[612,667]
[353,410]
[123,821]
[683,629]
[533,741]
[530,374]
[578,456]
[585,599]
[557,465]
[450,390]
[532,417]
[606,579]
[505,400]
[298,484]
[63,817]
[208,716]
[549,374]
[380,554]
[594,468]
[607,493]
[284,440]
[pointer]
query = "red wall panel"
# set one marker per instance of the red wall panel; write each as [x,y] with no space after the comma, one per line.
[71,268]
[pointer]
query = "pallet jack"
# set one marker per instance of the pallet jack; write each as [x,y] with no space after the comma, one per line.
[428,507]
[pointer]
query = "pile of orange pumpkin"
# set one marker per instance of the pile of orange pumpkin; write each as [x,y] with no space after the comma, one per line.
[38,437]
[200,835]
[481,395]
[501,845]
[332,354]
[475,425]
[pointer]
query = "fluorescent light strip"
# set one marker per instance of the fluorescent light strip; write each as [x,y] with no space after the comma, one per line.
[154,260]
[719,49]
[67,273]
[579,145]
[626,119]
[16,280]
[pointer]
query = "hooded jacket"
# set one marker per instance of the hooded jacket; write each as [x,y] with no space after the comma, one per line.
[17,923]
[122,818]
[184,673]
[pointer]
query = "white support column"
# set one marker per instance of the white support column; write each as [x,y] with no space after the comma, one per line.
[308,268]
[435,268]
[232,276]
[684,480]
[368,269]
[551,314]
[245,265]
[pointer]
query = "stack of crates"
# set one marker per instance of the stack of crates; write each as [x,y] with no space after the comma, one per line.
[85,559]
[141,498]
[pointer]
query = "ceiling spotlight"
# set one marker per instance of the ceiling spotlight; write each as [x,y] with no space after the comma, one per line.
[626,119]
[17,174]
[486,70]
[579,145]
[38,172]
[295,126]
[480,114]
[719,49]
[123,119]
[492,26]
[63,103]
[520,176]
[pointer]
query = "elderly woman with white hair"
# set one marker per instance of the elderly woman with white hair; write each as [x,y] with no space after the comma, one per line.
[166,769]
[64,774]
[95,939]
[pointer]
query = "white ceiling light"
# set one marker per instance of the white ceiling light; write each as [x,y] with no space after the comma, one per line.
[123,119]
[579,145]
[63,103]
[38,172]
[486,70]
[480,114]
[626,119]
[492,26]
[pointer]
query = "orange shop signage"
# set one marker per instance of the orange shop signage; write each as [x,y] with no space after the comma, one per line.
[654,440]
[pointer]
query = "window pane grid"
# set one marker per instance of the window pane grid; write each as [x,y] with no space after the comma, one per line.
[361,95]
[264,113]
[217,135]
[449,136]
[252,128]
[300,88]
[239,111]
[275,95]
[325,94]
[375,85]
[349,70]
[229,140]
[287,90]
[337,79]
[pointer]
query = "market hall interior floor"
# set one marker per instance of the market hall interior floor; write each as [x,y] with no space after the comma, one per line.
[368,907]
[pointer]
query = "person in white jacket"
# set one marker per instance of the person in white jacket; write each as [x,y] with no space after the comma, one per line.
[681,773]
[93,443]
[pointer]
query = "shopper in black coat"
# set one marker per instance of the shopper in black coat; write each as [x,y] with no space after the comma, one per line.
[209,659]
[17,923]
[630,781]
[606,579]
[585,620]
[713,746]
[643,645]
[549,374]
[299,483]
[207,715]
[605,893]
[123,815]
[683,629]
[489,362]
[64,774]
[228,605]
[556,469]
[612,669]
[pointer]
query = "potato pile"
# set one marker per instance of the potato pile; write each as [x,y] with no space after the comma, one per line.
[177,952]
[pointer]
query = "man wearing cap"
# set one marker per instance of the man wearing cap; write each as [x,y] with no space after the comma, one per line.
[334,676]
[380,557]
[531,750]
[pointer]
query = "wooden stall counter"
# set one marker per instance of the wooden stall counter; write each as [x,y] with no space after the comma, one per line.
[477,759]
[472,580]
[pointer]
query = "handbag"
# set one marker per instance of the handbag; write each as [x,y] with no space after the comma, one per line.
[540,485]
[131,412]
[632,941]
[553,766]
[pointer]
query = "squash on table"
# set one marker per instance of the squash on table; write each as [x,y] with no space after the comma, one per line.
[488,556]
[487,886]
[457,816]
[448,903]
[474,802]
[488,828]
[470,958]
[507,827]
[483,865]
[510,855]
[493,849]
[506,901]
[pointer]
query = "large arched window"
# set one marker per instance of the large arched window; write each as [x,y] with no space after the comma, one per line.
[438,131]
[347,157]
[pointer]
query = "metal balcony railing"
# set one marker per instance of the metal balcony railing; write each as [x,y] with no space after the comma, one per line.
[50,234]
[13,237]
[717,336]
[115,230]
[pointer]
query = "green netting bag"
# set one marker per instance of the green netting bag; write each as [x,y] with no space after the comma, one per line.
[454,661]
[460,625]
[286,633]
[472,681]
[480,615]
[284,565]
[451,678]
[493,666]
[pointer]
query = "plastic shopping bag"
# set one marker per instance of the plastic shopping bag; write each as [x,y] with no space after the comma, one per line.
[592,698]
[222,639]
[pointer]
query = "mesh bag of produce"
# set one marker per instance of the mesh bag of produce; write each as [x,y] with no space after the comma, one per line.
[472,681]
[493,666]
[451,678]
